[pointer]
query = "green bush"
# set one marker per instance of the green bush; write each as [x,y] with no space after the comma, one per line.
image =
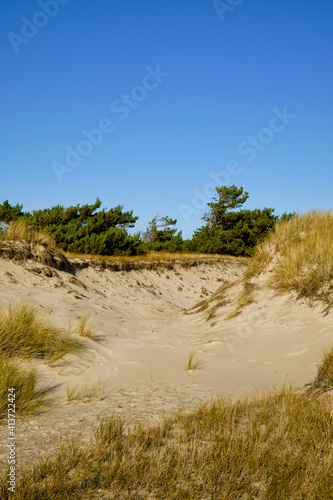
[80,229]
[229,231]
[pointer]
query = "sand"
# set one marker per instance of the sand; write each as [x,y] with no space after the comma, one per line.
[146,324]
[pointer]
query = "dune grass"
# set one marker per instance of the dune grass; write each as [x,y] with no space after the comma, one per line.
[28,399]
[304,251]
[86,391]
[24,333]
[152,256]
[271,446]
[244,299]
[19,231]
[324,379]
[192,362]
[84,327]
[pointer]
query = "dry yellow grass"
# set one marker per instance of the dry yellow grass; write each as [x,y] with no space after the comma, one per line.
[84,328]
[271,446]
[152,256]
[245,298]
[86,391]
[303,249]
[324,380]
[18,231]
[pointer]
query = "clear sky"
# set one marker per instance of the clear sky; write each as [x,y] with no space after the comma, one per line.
[150,104]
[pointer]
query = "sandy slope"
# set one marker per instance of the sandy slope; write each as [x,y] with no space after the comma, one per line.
[146,326]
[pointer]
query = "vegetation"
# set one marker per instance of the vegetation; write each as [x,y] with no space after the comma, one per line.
[230,231]
[149,257]
[193,362]
[87,230]
[80,229]
[275,445]
[303,253]
[262,447]
[324,379]
[84,328]
[162,236]
[18,231]
[24,333]
[245,298]
[28,398]
[85,392]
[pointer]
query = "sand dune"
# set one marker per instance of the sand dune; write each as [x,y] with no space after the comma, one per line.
[146,320]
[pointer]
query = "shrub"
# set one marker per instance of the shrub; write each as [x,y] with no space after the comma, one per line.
[81,229]
[228,231]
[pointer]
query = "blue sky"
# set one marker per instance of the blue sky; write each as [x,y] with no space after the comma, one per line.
[151,104]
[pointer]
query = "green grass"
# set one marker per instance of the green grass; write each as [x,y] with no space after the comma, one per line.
[24,333]
[28,399]
[272,446]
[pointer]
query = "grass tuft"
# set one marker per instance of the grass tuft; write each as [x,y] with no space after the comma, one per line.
[24,333]
[193,362]
[84,328]
[28,399]
[86,392]
[324,379]
[19,231]
[153,256]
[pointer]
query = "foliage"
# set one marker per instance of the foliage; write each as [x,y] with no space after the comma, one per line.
[229,231]
[87,230]
[9,213]
[161,236]
[81,229]
[227,198]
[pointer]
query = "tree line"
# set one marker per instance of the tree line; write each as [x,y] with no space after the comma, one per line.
[87,229]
